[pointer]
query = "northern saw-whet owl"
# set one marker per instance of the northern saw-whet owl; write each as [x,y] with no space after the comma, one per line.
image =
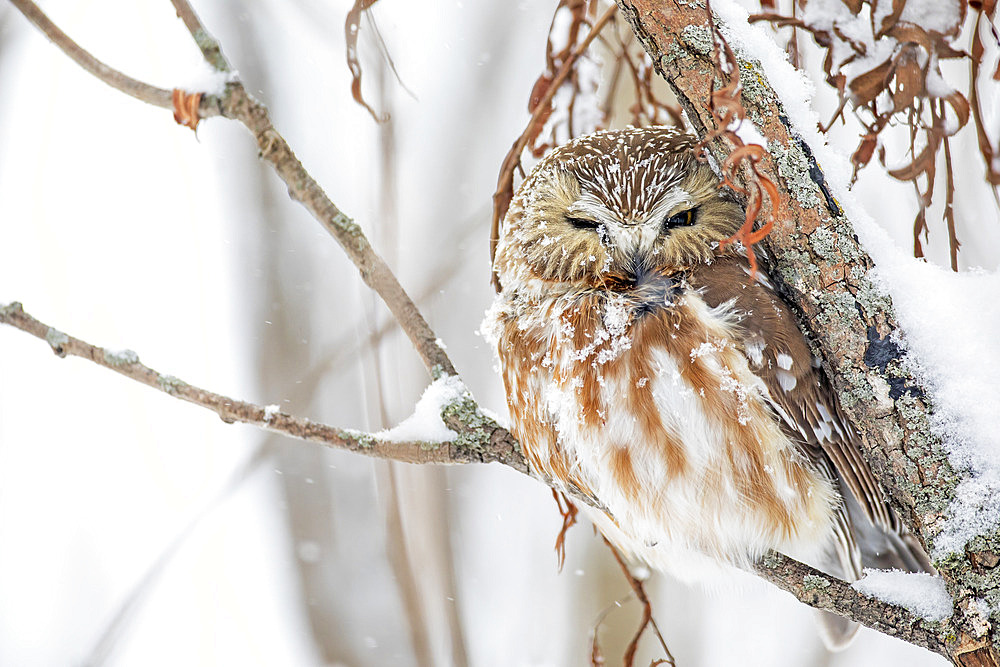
[648,368]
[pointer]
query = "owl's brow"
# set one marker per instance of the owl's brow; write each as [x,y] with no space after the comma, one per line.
[588,204]
[676,198]
[667,202]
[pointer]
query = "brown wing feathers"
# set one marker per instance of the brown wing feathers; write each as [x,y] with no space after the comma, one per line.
[779,355]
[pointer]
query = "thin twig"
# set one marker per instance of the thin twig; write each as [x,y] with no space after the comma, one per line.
[242,106]
[209,47]
[109,75]
[647,611]
[949,205]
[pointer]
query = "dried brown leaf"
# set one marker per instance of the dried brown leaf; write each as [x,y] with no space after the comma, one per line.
[960,106]
[909,78]
[890,20]
[779,20]
[186,108]
[922,164]
[538,91]
[352,28]
[863,154]
[910,33]
[866,87]
[986,148]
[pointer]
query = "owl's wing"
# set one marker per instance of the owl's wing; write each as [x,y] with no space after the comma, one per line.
[799,393]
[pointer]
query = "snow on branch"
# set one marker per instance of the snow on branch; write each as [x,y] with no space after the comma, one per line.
[921,593]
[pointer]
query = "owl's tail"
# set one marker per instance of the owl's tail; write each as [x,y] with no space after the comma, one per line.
[862,544]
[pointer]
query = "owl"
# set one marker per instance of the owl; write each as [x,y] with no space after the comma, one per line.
[648,368]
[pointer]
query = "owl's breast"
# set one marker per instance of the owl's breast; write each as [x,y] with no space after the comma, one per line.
[648,405]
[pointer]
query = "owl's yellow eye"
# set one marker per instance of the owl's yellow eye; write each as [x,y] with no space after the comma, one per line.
[582,223]
[682,219]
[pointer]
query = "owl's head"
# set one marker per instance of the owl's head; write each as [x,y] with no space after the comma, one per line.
[607,208]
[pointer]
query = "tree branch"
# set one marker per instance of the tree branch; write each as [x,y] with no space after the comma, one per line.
[822,591]
[126,362]
[210,48]
[109,75]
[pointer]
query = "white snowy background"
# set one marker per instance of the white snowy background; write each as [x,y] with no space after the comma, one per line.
[139,530]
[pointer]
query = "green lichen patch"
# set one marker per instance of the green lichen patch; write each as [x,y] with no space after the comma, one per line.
[56,339]
[473,427]
[872,298]
[361,439]
[756,90]
[170,384]
[698,38]
[796,268]
[426,446]
[346,224]
[814,582]
[794,168]
[824,244]
[836,309]
[120,358]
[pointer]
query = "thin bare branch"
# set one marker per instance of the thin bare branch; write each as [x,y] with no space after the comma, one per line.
[230,410]
[210,48]
[109,75]
[647,612]
[240,105]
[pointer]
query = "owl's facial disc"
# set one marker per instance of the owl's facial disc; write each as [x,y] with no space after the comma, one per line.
[632,240]
[611,207]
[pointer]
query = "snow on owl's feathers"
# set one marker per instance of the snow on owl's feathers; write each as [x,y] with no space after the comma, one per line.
[645,368]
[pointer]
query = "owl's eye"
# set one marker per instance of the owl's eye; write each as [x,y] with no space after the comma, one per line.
[582,223]
[682,219]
